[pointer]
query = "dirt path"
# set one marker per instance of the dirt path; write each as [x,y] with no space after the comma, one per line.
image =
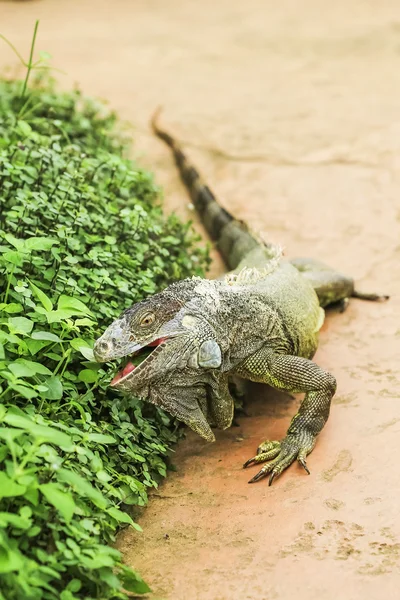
[305,99]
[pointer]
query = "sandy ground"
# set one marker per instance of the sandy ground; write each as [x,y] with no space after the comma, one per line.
[304,100]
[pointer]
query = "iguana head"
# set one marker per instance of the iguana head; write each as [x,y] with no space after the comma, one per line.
[170,346]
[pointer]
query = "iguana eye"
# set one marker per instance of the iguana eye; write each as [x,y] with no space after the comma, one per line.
[147,319]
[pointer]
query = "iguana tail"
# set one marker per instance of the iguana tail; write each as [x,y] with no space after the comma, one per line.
[233,238]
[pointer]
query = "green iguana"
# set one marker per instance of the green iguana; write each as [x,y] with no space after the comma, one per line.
[260,323]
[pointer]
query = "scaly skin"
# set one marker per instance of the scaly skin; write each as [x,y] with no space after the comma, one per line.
[260,323]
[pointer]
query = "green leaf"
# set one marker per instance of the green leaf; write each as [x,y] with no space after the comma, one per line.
[83,487]
[17,243]
[20,325]
[25,511]
[9,434]
[132,582]
[43,432]
[10,560]
[8,487]
[61,500]
[103,476]
[74,585]
[72,304]
[24,128]
[45,335]
[35,366]
[25,391]
[84,322]
[39,243]
[41,296]
[87,353]
[101,438]
[13,307]
[21,370]
[83,347]
[32,496]
[34,346]
[88,376]
[12,338]
[121,517]
[54,388]
[14,257]
[45,56]
[57,316]
[7,518]
[99,560]
[54,356]
[27,368]
[78,343]
[34,531]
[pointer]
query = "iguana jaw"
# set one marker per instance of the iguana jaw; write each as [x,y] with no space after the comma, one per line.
[140,355]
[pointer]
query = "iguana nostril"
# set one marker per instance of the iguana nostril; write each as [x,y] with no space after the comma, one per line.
[101,349]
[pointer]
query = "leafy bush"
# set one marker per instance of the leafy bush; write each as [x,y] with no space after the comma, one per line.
[82,237]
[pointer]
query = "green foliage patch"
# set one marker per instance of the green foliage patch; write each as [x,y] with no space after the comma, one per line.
[82,237]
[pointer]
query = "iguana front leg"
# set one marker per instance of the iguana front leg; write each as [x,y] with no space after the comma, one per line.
[292,374]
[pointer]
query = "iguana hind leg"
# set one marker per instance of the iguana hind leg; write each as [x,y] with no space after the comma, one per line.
[293,374]
[330,285]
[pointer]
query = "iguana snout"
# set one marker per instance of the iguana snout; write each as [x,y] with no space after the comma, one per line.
[135,328]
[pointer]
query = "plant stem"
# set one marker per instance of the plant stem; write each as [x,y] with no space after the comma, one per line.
[32,451]
[5,391]
[30,64]
[8,284]
[68,355]
[13,48]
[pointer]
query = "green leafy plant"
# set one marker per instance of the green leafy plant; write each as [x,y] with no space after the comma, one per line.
[82,237]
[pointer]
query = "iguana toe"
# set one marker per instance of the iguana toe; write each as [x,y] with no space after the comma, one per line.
[343,304]
[269,447]
[265,451]
[281,455]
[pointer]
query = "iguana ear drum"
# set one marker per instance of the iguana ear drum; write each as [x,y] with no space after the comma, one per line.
[210,355]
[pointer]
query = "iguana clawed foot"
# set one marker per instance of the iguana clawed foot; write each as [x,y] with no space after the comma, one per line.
[282,454]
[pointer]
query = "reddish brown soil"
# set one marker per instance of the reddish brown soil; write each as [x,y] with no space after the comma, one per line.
[304,99]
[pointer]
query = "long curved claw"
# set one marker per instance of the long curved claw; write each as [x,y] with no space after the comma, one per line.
[302,462]
[271,478]
[260,475]
[275,467]
[343,304]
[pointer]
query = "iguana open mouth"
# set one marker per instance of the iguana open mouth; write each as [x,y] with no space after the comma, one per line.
[134,360]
